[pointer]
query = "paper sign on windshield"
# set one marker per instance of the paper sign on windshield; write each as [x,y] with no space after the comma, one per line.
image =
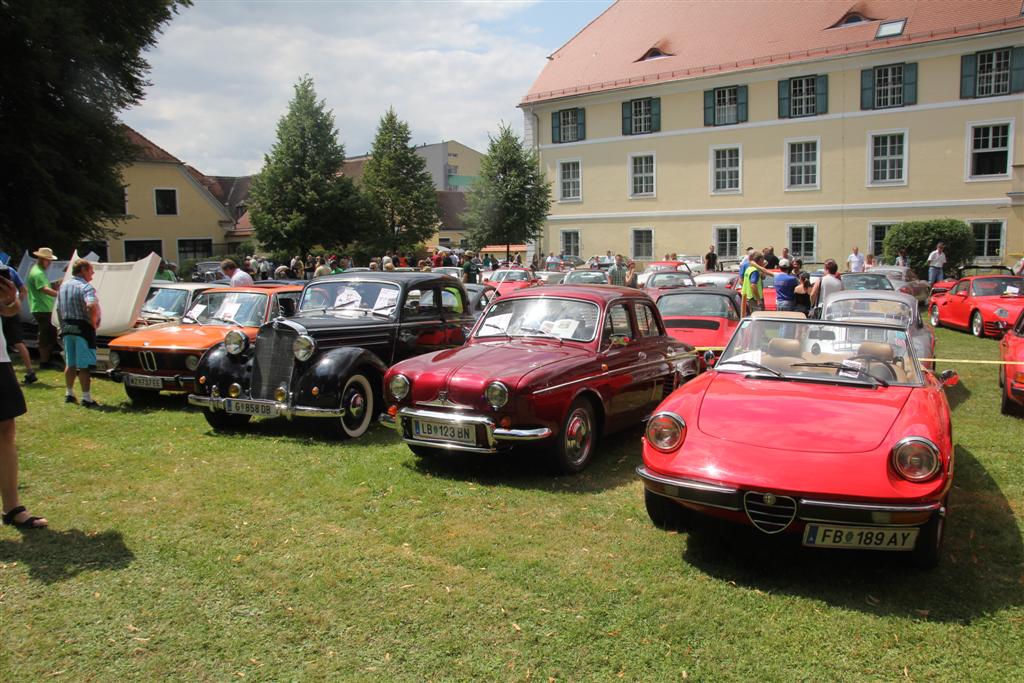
[387,298]
[851,368]
[564,327]
[347,297]
[229,310]
[1012,291]
[196,311]
[497,322]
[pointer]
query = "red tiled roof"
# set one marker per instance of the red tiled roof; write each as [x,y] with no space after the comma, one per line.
[147,149]
[502,248]
[243,226]
[705,37]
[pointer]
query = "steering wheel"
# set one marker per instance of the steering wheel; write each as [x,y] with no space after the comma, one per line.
[889,367]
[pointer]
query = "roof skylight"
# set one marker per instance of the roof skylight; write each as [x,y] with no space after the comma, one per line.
[653,53]
[888,29]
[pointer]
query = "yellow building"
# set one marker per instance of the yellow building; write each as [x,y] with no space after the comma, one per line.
[666,127]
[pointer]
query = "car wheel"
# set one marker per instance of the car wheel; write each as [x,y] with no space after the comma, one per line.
[141,396]
[1007,406]
[935,316]
[575,442]
[929,543]
[357,398]
[664,512]
[977,325]
[225,422]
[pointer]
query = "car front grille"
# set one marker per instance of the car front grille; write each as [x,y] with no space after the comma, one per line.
[274,361]
[152,361]
[769,512]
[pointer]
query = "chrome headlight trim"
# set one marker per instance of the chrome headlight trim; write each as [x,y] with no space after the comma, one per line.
[1002,313]
[399,386]
[303,347]
[900,453]
[235,342]
[191,362]
[496,394]
[660,444]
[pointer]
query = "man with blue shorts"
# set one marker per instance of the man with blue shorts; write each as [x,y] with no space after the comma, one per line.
[78,308]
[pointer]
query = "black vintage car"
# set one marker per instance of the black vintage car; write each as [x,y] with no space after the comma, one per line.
[328,361]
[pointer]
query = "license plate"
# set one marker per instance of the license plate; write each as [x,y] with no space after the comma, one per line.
[443,431]
[257,408]
[144,381]
[867,537]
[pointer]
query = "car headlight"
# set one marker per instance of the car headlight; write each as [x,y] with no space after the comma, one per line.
[496,394]
[1002,313]
[399,386]
[916,459]
[192,362]
[303,347]
[666,431]
[115,359]
[235,342]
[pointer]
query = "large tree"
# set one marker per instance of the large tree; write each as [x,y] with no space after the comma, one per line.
[920,237]
[509,202]
[68,69]
[399,190]
[299,199]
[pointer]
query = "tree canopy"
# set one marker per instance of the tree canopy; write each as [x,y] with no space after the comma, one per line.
[920,237]
[509,202]
[398,189]
[69,68]
[299,199]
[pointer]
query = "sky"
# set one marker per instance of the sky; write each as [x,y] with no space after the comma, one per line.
[223,71]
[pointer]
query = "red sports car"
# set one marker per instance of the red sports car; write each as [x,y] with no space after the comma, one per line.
[667,281]
[554,366]
[830,430]
[984,304]
[508,280]
[949,283]
[662,267]
[1011,376]
[703,317]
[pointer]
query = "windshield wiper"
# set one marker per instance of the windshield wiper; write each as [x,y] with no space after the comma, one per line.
[541,333]
[227,319]
[861,372]
[503,331]
[750,364]
[189,319]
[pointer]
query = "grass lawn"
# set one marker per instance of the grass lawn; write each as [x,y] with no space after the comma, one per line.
[273,555]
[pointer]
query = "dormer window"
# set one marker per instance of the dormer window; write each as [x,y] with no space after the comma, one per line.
[852,19]
[654,53]
[889,29]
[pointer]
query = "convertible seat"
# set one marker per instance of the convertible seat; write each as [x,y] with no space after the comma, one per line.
[781,353]
[878,358]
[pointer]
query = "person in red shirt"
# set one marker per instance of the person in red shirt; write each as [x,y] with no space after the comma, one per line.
[438,259]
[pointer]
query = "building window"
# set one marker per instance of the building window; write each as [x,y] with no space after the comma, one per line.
[725,106]
[641,175]
[993,73]
[727,241]
[888,159]
[98,248]
[725,164]
[990,150]
[888,29]
[194,249]
[568,125]
[889,86]
[802,96]
[641,116]
[876,238]
[139,249]
[802,164]
[166,202]
[569,181]
[801,242]
[885,87]
[643,244]
[570,243]
[988,240]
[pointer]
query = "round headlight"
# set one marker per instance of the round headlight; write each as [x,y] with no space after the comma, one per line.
[1002,313]
[303,347]
[666,431]
[235,342]
[399,386]
[115,359]
[916,459]
[496,394]
[192,362]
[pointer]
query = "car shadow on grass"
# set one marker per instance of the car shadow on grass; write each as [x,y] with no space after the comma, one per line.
[957,394]
[159,402]
[980,571]
[52,556]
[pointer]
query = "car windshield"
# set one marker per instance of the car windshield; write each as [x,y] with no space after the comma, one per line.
[818,351]
[865,309]
[351,296]
[670,279]
[696,305]
[165,302]
[862,281]
[509,276]
[586,277]
[540,317]
[660,268]
[226,308]
[891,273]
[998,286]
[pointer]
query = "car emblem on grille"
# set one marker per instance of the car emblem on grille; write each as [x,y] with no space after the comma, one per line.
[769,499]
[147,359]
[768,512]
[442,397]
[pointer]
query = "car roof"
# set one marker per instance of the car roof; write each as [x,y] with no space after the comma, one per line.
[166,284]
[594,293]
[702,291]
[260,290]
[878,294]
[398,277]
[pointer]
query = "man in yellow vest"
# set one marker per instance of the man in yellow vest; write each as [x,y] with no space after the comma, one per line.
[753,289]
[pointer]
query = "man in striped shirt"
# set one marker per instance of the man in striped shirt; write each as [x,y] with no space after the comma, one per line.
[78,308]
[617,272]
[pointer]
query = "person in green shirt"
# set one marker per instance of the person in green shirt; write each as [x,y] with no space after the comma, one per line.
[41,299]
[470,269]
[164,272]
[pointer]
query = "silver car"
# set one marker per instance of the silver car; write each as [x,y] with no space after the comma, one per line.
[876,305]
[904,279]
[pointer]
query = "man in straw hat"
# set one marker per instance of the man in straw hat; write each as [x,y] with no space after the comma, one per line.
[41,298]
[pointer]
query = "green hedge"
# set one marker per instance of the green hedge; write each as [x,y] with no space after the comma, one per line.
[920,237]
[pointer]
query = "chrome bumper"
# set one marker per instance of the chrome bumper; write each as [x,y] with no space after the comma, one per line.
[282,409]
[494,436]
[174,382]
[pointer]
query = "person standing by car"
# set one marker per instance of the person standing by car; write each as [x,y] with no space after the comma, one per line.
[470,269]
[710,260]
[855,261]
[936,262]
[802,294]
[752,290]
[901,258]
[617,272]
[41,298]
[238,277]
[828,283]
[12,327]
[78,308]
[631,278]
[785,287]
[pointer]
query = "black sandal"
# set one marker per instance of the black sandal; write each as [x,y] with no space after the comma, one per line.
[27,523]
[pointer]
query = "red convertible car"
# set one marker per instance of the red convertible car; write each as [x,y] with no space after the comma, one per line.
[984,304]
[830,430]
[556,366]
[1011,376]
[508,280]
[703,317]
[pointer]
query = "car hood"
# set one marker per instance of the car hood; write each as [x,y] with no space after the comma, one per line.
[991,303]
[321,324]
[700,331]
[801,416]
[178,337]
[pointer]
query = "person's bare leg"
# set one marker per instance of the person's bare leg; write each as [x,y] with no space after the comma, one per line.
[85,379]
[26,359]
[9,472]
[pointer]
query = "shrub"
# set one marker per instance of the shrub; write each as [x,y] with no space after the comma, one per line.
[920,237]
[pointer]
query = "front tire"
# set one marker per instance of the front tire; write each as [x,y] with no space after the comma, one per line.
[977,325]
[934,319]
[225,422]
[576,439]
[929,543]
[1007,406]
[664,512]
[141,396]
[360,403]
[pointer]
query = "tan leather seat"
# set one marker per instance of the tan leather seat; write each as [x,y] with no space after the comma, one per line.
[877,351]
[784,347]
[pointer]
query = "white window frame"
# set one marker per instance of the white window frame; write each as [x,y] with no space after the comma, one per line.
[806,101]
[992,77]
[629,176]
[870,154]
[714,239]
[573,126]
[785,166]
[561,242]
[890,92]
[725,109]
[177,204]
[813,258]
[635,117]
[711,169]
[570,200]
[124,246]
[990,260]
[969,149]
[632,244]
[179,240]
[871,237]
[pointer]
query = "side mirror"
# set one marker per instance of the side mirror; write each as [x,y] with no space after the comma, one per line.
[619,340]
[709,358]
[949,378]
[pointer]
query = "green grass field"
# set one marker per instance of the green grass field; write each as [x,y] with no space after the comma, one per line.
[274,555]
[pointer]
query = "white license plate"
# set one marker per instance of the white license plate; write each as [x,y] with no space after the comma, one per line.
[257,408]
[144,381]
[867,537]
[443,431]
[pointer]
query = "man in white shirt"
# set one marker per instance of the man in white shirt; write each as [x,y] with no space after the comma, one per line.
[855,261]
[239,278]
[552,262]
[936,261]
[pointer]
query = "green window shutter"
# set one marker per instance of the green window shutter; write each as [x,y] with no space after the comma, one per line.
[1017,70]
[627,118]
[655,114]
[909,84]
[709,107]
[784,99]
[741,103]
[968,76]
[821,94]
[581,125]
[867,88]
[556,131]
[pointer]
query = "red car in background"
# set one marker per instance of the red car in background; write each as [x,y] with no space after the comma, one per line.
[984,304]
[661,267]
[768,283]
[508,280]
[1011,376]
[703,317]
[949,283]
[667,281]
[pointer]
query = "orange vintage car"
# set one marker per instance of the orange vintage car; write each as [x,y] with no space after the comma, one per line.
[164,359]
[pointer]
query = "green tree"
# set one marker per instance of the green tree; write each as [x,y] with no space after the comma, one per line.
[509,202]
[398,189]
[920,237]
[68,69]
[299,198]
